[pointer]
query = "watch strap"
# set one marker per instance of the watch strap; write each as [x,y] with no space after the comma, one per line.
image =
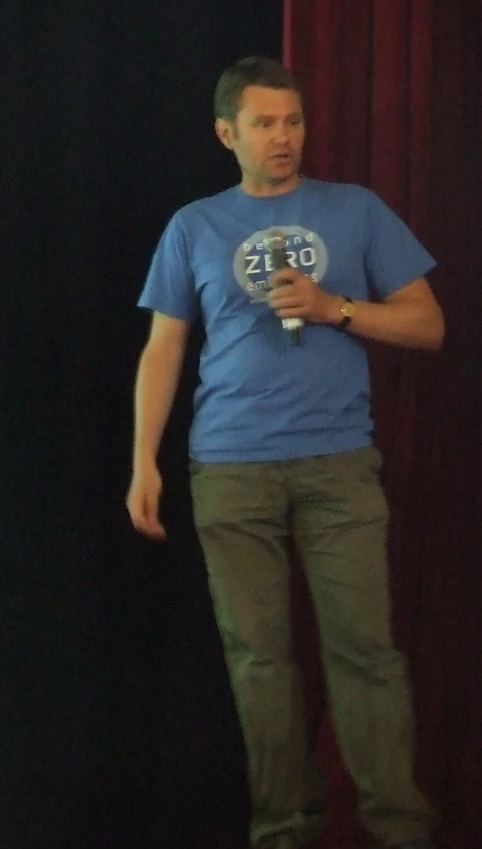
[346,318]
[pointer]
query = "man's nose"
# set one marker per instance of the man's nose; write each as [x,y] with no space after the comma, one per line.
[281,134]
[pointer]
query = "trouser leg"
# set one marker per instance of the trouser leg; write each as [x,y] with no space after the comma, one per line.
[240,512]
[340,522]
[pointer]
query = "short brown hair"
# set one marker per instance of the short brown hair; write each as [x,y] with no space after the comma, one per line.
[254,70]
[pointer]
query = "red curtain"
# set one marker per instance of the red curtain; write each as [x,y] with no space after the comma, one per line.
[394,101]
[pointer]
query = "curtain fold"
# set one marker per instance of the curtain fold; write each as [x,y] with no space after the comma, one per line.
[393,98]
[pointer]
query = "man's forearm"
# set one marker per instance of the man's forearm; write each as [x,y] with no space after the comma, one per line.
[407,323]
[410,317]
[156,384]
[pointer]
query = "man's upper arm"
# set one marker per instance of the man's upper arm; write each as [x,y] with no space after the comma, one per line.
[168,334]
[418,294]
[418,290]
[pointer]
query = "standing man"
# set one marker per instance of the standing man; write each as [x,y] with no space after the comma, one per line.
[281,447]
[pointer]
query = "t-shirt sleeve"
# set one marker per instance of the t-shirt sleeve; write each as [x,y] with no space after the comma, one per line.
[169,286]
[394,257]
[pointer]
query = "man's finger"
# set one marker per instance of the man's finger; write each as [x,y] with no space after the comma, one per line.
[156,531]
[151,528]
[285,303]
[284,274]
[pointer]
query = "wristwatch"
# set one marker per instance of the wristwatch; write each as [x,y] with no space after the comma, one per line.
[348,311]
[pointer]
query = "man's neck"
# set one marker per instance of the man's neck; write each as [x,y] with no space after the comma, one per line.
[255,189]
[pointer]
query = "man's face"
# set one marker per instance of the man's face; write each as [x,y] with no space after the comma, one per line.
[266,137]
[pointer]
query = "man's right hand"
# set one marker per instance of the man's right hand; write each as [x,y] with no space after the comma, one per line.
[143,502]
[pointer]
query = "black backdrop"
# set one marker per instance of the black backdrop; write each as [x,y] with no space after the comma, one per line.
[118,728]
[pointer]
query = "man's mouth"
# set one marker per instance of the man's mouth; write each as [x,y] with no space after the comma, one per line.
[281,157]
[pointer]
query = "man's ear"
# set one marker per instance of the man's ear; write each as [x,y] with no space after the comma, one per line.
[225,132]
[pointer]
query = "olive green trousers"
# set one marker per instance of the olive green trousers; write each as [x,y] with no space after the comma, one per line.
[334,510]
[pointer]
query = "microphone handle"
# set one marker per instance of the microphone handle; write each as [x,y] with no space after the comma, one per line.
[279,260]
[292,326]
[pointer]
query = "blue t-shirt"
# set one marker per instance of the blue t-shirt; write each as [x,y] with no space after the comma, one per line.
[259,398]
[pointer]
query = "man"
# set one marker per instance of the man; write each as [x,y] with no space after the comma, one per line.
[281,446]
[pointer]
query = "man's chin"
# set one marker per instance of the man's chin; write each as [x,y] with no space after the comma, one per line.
[278,179]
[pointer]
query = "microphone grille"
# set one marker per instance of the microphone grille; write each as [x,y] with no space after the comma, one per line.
[274,240]
[274,243]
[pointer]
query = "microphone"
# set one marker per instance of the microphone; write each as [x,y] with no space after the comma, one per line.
[275,245]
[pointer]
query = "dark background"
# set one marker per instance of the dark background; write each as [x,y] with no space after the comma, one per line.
[118,728]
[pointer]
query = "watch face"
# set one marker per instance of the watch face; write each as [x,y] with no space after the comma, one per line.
[348,309]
